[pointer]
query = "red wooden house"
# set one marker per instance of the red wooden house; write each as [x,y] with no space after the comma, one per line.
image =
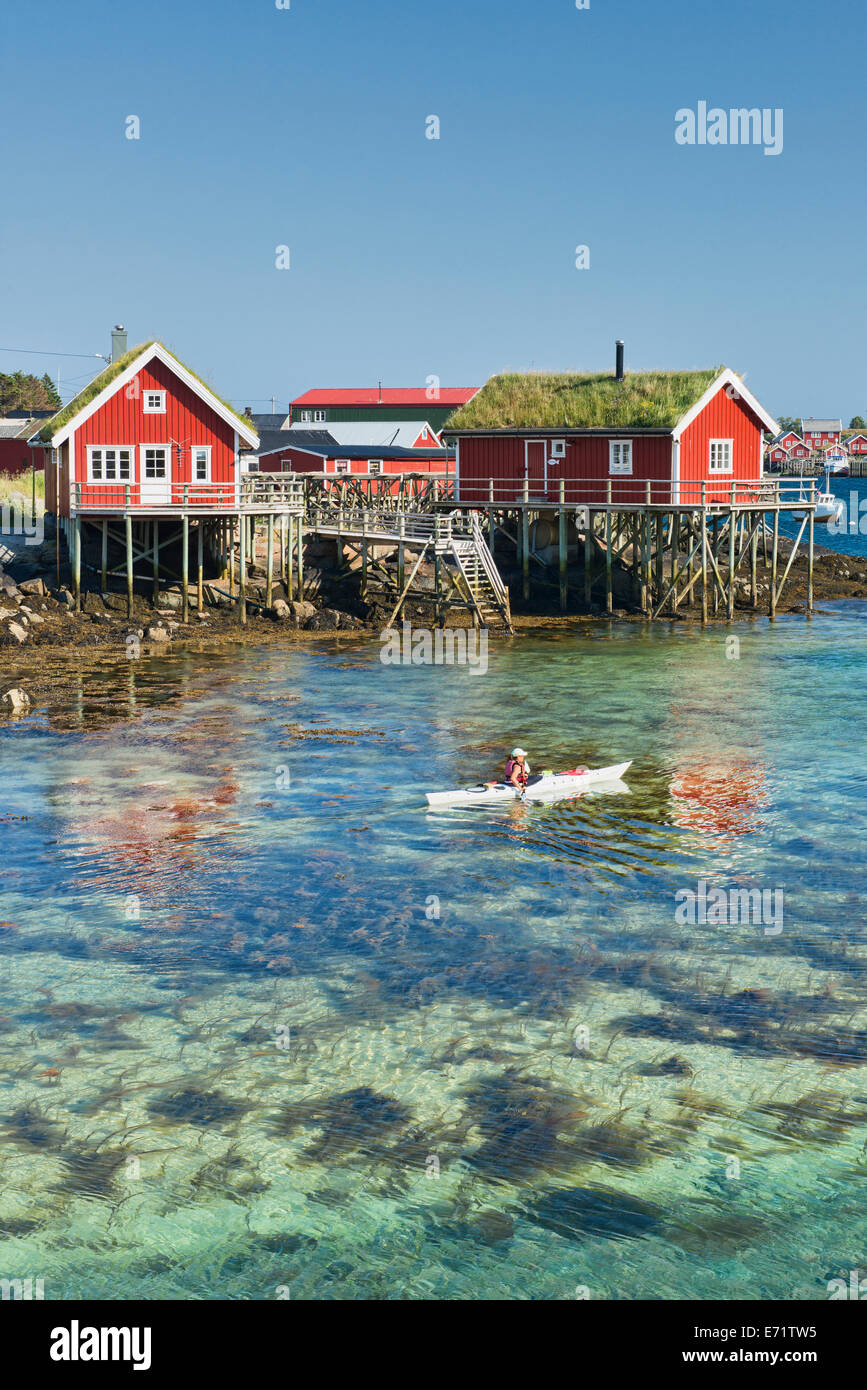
[317,451]
[818,434]
[856,443]
[432,402]
[622,439]
[147,437]
[17,454]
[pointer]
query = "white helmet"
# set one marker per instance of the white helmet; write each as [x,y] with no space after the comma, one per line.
[519,753]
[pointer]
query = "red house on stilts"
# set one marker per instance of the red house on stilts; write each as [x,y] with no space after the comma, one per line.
[626,439]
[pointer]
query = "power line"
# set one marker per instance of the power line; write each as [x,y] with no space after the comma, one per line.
[32,352]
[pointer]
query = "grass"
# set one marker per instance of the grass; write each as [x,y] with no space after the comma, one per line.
[105,378]
[582,400]
[19,486]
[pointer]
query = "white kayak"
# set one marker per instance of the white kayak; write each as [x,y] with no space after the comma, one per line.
[540,786]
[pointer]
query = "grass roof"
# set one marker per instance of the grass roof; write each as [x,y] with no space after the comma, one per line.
[106,377]
[582,400]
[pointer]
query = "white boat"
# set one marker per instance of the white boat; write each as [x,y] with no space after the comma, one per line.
[828,507]
[539,787]
[837,464]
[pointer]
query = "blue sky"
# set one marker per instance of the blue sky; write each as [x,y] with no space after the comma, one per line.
[453,257]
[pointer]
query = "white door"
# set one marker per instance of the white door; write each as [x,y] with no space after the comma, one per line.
[155,481]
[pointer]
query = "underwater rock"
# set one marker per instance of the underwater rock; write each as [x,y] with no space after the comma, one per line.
[15,699]
[574,1212]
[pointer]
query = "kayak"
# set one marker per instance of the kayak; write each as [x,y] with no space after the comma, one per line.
[542,785]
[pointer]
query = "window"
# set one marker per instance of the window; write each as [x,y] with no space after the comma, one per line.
[155,461]
[720,456]
[319,415]
[108,465]
[306,417]
[154,402]
[374,465]
[252,465]
[620,456]
[341,465]
[558,448]
[201,461]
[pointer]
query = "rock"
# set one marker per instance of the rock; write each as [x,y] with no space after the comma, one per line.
[65,597]
[302,610]
[326,621]
[15,699]
[17,633]
[7,613]
[280,610]
[33,586]
[9,587]
[153,633]
[173,600]
[34,617]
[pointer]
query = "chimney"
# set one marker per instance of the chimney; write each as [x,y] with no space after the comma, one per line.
[618,372]
[118,341]
[380,393]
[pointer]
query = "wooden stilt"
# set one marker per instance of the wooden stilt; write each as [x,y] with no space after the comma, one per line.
[588,559]
[299,531]
[242,568]
[754,561]
[492,530]
[731,593]
[364,556]
[772,601]
[525,553]
[104,554]
[231,525]
[129,579]
[185,558]
[609,573]
[200,563]
[401,554]
[290,543]
[562,549]
[76,561]
[703,557]
[156,552]
[269,562]
[674,546]
[810,540]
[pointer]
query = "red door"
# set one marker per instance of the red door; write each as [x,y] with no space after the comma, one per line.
[534,469]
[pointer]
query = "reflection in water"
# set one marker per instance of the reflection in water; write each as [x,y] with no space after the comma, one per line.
[266,1022]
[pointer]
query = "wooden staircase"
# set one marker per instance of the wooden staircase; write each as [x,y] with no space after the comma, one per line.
[485,588]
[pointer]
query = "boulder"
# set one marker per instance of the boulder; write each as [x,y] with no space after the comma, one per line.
[280,610]
[302,610]
[17,633]
[34,617]
[66,597]
[9,587]
[154,633]
[15,700]
[33,586]
[326,621]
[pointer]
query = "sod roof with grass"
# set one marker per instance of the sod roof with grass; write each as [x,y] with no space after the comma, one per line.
[111,373]
[583,400]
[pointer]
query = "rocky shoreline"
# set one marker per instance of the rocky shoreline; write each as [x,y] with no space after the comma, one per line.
[36,612]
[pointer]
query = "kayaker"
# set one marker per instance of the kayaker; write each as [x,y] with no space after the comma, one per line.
[517,768]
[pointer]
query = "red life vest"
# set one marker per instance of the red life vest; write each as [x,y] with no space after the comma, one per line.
[510,767]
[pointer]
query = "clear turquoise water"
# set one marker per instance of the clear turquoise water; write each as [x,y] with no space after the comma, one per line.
[315,1041]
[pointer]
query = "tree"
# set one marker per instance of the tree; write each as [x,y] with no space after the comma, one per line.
[788,422]
[857,423]
[23,391]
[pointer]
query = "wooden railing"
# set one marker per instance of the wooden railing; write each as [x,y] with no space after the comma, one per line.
[253,494]
[630,493]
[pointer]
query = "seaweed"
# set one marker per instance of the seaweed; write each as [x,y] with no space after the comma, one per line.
[193,1106]
[574,1212]
[91,1171]
[351,1123]
[28,1127]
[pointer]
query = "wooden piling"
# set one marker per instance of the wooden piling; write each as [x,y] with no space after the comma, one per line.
[810,540]
[562,549]
[588,559]
[754,561]
[200,565]
[609,574]
[525,553]
[775,551]
[129,578]
[299,535]
[269,562]
[732,531]
[185,557]
[492,529]
[290,542]
[76,561]
[703,556]
[156,561]
[242,569]
[104,554]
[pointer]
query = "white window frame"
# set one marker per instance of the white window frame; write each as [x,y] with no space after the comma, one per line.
[149,409]
[200,449]
[375,466]
[342,466]
[167,450]
[558,449]
[622,467]
[320,416]
[729,455]
[104,449]
[305,417]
